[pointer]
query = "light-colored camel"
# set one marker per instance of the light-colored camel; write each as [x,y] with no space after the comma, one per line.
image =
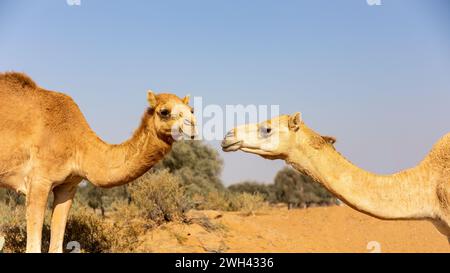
[47,145]
[422,192]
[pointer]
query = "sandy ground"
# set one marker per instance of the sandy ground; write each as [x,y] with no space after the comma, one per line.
[329,229]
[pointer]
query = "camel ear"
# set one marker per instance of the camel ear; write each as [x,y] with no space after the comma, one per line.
[186,99]
[151,98]
[329,139]
[294,121]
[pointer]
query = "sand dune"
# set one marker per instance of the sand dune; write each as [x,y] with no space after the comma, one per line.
[328,229]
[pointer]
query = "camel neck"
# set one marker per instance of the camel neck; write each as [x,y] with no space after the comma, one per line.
[108,165]
[402,195]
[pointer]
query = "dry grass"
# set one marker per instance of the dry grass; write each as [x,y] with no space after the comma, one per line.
[205,222]
[13,228]
[216,200]
[129,224]
[85,227]
[159,196]
[90,230]
[231,201]
[248,203]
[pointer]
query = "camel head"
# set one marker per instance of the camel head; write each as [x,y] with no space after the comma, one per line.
[172,117]
[273,139]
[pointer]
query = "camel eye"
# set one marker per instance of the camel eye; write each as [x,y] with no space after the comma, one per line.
[165,112]
[265,131]
[192,111]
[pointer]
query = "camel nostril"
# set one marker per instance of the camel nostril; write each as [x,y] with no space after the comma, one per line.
[192,137]
[230,134]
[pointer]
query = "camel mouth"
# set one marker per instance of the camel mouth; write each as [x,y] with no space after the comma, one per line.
[178,133]
[183,136]
[228,146]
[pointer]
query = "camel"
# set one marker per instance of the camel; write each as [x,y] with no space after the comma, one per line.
[421,193]
[47,146]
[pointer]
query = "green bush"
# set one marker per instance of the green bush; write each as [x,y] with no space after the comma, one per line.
[298,190]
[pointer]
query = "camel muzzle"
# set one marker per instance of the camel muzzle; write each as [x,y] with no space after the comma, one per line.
[231,144]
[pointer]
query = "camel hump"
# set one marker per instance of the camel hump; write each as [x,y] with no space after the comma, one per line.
[19,79]
[441,151]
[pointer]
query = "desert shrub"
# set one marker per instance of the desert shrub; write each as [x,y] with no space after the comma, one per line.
[90,230]
[85,227]
[232,201]
[247,203]
[13,228]
[160,196]
[10,213]
[216,200]
[129,224]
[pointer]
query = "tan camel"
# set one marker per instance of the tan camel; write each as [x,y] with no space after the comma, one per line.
[47,145]
[422,192]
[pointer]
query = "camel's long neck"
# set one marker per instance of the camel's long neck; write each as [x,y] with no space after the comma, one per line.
[405,195]
[108,165]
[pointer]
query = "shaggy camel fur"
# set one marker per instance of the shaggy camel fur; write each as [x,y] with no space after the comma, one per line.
[422,192]
[47,145]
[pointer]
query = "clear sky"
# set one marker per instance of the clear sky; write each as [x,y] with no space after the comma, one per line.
[376,77]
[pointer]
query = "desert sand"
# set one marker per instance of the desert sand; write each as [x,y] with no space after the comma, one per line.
[277,229]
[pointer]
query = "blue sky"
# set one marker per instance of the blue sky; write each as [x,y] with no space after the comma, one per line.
[376,77]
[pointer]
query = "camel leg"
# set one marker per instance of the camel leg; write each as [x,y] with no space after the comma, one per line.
[36,202]
[63,197]
[443,228]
